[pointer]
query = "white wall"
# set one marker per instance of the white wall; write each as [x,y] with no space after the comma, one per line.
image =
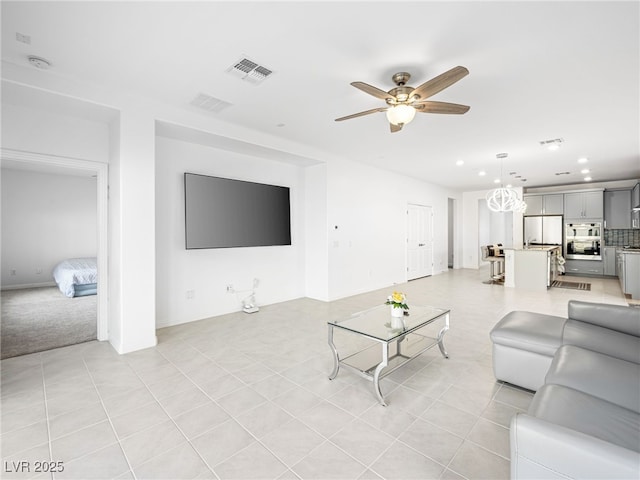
[45,219]
[366,203]
[35,130]
[207,272]
[477,227]
[317,233]
[366,226]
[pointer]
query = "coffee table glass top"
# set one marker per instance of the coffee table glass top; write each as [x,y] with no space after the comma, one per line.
[378,323]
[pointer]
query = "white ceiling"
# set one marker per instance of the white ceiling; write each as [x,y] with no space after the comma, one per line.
[538,71]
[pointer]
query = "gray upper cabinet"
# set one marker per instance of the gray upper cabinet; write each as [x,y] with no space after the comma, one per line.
[584,205]
[534,204]
[550,204]
[635,203]
[617,208]
[553,204]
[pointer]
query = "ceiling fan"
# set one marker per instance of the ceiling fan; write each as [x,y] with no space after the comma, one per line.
[404,101]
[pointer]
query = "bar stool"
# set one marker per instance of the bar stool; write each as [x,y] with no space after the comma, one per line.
[491,254]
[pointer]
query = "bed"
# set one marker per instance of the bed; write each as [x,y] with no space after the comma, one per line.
[77,277]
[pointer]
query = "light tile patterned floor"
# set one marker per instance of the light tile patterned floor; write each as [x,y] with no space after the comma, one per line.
[247,396]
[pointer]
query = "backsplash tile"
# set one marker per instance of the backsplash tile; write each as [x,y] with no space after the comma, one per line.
[615,237]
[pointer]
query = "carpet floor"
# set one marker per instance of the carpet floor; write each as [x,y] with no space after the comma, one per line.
[39,319]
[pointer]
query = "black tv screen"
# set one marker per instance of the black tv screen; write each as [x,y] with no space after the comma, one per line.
[225,213]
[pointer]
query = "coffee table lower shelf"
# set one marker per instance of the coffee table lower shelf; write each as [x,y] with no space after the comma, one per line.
[368,365]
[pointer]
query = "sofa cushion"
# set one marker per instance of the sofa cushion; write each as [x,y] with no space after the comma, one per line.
[602,376]
[533,332]
[620,318]
[604,340]
[587,414]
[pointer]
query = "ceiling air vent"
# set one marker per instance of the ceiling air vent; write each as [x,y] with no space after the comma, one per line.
[552,144]
[250,71]
[209,103]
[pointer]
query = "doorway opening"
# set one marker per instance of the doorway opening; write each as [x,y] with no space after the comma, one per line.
[55,320]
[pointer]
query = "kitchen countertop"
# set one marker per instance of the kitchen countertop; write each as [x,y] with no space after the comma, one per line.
[630,251]
[535,248]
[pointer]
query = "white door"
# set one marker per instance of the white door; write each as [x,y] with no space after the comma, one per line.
[419,241]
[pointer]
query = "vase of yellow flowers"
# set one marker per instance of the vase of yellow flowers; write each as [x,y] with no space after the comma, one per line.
[398,303]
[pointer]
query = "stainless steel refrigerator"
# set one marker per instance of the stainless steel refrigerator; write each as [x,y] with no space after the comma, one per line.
[543,230]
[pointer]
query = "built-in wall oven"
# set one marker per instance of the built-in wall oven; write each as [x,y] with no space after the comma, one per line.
[582,241]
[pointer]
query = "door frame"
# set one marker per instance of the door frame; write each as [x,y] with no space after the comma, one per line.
[101,171]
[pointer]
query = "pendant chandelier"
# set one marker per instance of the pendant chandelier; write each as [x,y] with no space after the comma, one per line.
[504,199]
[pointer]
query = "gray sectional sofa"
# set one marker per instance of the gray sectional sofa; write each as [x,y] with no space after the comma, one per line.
[584,419]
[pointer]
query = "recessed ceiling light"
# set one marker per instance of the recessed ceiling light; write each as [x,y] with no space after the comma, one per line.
[587,179]
[584,170]
[497,180]
[482,173]
[583,160]
[460,162]
[509,185]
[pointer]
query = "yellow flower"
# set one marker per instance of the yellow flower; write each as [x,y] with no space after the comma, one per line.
[397,297]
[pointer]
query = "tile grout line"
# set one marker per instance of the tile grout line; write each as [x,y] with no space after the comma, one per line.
[109,420]
[46,414]
[170,417]
[233,417]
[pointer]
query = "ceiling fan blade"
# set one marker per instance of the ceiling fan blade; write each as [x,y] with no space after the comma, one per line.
[439,83]
[430,106]
[395,128]
[376,92]
[360,114]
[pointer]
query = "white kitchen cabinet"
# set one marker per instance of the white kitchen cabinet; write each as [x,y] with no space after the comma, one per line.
[584,205]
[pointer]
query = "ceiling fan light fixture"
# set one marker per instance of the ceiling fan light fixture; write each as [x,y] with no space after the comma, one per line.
[400,114]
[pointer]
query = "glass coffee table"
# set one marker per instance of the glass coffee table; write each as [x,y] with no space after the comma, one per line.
[400,340]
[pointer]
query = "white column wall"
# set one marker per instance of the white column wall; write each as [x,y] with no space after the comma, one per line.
[317,235]
[135,216]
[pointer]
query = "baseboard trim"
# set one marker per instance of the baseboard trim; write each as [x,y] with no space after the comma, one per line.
[28,285]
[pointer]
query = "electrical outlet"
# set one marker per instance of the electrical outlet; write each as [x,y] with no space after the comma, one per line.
[191,294]
[230,288]
[38,271]
[13,271]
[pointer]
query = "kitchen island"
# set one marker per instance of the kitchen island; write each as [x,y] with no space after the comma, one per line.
[629,271]
[532,268]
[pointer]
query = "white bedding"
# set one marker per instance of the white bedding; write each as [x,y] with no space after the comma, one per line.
[75,271]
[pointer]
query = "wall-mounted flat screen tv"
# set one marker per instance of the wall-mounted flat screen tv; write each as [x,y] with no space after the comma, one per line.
[226,213]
